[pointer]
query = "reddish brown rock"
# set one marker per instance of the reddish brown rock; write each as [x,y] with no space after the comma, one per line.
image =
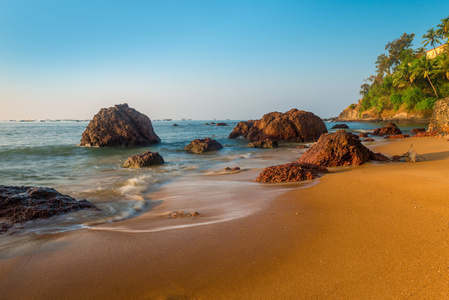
[263,144]
[368,140]
[430,133]
[363,135]
[221,124]
[228,169]
[145,159]
[290,172]
[340,126]
[292,126]
[203,145]
[19,204]
[119,126]
[396,136]
[390,129]
[339,149]
[418,130]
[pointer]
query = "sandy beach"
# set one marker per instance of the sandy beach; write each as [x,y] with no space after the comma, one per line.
[378,231]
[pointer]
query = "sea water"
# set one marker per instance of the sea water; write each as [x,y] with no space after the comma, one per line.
[48,154]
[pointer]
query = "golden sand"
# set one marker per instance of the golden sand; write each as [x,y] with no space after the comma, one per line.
[378,231]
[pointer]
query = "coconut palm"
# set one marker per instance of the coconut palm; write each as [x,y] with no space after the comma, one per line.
[401,77]
[420,52]
[443,28]
[442,66]
[432,38]
[424,68]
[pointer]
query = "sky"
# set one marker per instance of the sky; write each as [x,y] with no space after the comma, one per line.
[195,59]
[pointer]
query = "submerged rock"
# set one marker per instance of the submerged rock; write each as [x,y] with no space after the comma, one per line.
[440,118]
[203,145]
[391,129]
[119,126]
[363,135]
[340,126]
[145,159]
[19,204]
[291,172]
[229,169]
[263,144]
[339,149]
[221,124]
[292,126]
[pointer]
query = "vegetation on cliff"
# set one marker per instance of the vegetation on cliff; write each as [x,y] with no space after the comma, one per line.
[409,79]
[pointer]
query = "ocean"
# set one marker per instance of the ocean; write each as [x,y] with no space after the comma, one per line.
[47,154]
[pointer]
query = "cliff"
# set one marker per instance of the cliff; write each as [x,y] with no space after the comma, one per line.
[353,114]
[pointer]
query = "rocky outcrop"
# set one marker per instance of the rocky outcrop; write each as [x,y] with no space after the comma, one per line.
[263,144]
[363,135]
[19,204]
[368,140]
[340,126]
[440,118]
[290,172]
[119,126]
[353,113]
[221,124]
[203,145]
[390,129]
[145,159]
[339,149]
[292,126]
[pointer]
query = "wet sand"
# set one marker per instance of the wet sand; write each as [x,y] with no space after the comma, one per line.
[378,231]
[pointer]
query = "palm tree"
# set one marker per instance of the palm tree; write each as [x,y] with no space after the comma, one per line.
[420,52]
[402,76]
[431,37]
[424,68]
[442,65]
[443,28]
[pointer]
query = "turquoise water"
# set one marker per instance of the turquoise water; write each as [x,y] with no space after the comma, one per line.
[47,154]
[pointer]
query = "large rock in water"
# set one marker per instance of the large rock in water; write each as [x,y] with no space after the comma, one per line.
[291,172]
[292,126]
[440,118]
[203,145]
[390,129]
[119,126]
[145,159]
[339,149]
[25,203]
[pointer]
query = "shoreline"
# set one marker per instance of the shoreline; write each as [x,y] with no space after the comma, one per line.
[376,231]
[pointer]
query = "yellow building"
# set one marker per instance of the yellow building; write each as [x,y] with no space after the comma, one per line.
[435,52]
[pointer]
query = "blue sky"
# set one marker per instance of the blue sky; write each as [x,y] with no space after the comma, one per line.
[195,59]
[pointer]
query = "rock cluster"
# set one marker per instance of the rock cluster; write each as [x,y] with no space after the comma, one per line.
[339,149]
[431,133]
[19,204]
[267,143]
[203,145]
[418,130]
[292,126]
[440,118]
[291,172]
[145,159]
[221,124]
[229,169]
[390,129]
[119,126]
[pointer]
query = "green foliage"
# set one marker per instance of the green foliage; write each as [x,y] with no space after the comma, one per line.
[412,96]
[352,106]
[444,90]
[407,78]
[426,103]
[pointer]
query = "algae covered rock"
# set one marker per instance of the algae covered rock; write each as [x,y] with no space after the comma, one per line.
[203,145]
[145,159]
[291,172]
